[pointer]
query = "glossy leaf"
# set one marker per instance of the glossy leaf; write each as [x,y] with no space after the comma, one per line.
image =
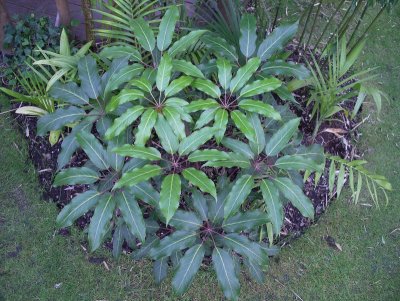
[296,196]
[280,67]
[78,206]
[164,71]
[273,204]
[221,47]
[244,74]
[248,35]
[186,220]
[147,122]
[280,139]
[238,147]
[143,33]
[187,68]
[168,139]
[259,143]
[206,117]
[260,87]
[259,107]
[220,123]
[170,195]
[207,155]
[276,40]
[174,119]
[178,240]
[126,95]
[187,268]
[58,119]
[69,92]
[76,175]
[89,76]
[194,140]
[167,27]
[224,72]
[141,152]
[236,197]
[248,220]
[185,42]
[138,175]
[121,51]
[178,85]
[125,120]
[160,269]
[131,214]
[244,125]
[94,149]
[201,104]
[207,86]
[297,162]
[224,267]
[100,220]
[200,179]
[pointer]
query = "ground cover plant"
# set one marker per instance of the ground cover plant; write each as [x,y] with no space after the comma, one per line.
[159,162]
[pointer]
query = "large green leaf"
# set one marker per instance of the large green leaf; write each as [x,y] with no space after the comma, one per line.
[178,85]
[220,123]
[120,77]
[187,68]
[160,269]
[242,245]
[145,192]
[142,83]
[280,67]
[248,35]
[238,147]
[147,122]
[126,95]
[296,196]
[221,47]
[273,203]
[121,51]
[76,175]
[138,175]
[207,86]
[94,149]
[206,117]
[298,162]
[255,270]
[276,40]
[280,139]
[89,76]
[167,27]
[143,33]
[244,125]
[164,72]
[58,119]
[200,179]
[248,220]
[125,120]
[186,220]
[260,87]
[234,160]
[201,104]
[195,140]
[170,195]
[187,268]
[69,92]
[185,42]
[259,107]
[208,155]
[259,143]
[151,241]
[99,222]
[178,240]
[78,206]
[224,267]
[174,119]
[168,139]
[244,74]
[136,151]
[131,214]
[224,72]
[240,191]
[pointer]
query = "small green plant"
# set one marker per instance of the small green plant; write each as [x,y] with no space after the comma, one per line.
[22,38]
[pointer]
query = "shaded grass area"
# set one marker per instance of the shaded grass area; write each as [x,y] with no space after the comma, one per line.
[38,264]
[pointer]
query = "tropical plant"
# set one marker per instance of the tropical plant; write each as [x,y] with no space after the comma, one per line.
[336,87]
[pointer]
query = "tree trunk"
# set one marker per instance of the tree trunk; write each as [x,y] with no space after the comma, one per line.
[4,19]
[63,11]
[87,13]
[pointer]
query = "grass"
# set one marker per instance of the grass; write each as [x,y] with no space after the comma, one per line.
[38,264]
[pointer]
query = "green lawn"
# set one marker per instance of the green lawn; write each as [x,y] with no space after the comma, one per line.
[38,264]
